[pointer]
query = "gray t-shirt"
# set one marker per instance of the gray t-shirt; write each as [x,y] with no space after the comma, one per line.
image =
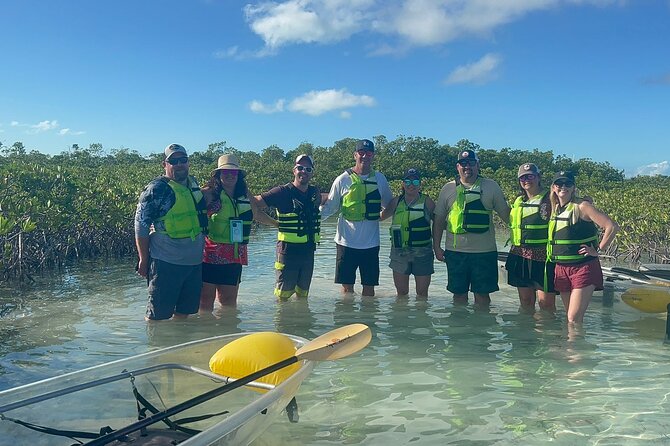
[492,198]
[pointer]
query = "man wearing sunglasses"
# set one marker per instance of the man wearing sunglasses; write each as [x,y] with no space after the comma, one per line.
[299,226]
[465,208]
[170,222]
[358,196]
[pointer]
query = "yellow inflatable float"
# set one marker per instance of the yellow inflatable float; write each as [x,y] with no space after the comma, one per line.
[648,299]
[252,353]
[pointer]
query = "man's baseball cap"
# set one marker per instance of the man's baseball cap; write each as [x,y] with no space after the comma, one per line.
[528,168]
[302,157]
[365,144]
[467,155]
[174,148]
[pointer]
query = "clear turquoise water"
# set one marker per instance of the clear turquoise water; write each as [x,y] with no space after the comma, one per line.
[433,374]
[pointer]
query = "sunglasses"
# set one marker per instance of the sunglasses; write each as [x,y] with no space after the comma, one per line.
[231,172]
[564,183]
[414,182]
[365,152]
[527,177]
[300,168]
[464,163]
[175,161]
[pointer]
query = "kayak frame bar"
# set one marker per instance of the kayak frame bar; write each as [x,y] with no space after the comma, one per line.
[125,375]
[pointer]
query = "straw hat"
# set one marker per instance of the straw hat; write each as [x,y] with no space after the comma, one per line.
[229,162]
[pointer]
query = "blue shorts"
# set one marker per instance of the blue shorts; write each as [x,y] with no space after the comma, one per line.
[173,289]
[473,271]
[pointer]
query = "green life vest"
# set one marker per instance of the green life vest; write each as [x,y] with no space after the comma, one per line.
[468,213]
[187,218]
[526,223]
[363,200]
[413,222]
[219,222]
[303,223]
[566,238]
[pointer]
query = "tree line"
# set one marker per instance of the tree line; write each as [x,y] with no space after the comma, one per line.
[80,203]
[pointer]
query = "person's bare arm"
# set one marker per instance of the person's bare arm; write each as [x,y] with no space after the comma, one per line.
[259,206]
[390,210]
[142,245]
[438,229]
[610,227]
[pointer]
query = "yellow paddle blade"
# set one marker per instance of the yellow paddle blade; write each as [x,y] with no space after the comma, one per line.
[336,344]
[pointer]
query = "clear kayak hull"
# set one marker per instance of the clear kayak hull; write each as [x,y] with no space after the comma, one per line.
[106,397]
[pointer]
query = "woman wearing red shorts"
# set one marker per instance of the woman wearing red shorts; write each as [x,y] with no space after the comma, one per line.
[574,245]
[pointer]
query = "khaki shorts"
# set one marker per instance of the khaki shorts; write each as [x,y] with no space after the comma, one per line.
[418,261]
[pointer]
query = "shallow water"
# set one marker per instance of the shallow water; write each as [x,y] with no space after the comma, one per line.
[433,374]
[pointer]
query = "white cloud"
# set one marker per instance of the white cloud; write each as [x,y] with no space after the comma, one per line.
[227,53]
[259,107]
[660,168]
[308,21]
[66,131]
[317,102]
[478,72]
[43,126]
[411,22]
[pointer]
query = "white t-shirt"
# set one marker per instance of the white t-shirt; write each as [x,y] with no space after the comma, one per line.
[362,234]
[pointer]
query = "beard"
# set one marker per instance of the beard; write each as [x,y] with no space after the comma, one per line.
[180,175]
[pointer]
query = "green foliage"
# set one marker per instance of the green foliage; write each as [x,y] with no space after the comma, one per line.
[81,203]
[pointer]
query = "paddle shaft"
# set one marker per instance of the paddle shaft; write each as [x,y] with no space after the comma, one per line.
[105,439]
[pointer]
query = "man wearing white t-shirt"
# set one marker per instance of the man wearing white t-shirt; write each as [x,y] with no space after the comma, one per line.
[358,195]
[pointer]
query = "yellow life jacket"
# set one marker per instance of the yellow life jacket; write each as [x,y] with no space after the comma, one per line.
[188,216]
[468,213]
[528,228]
[413,222]
[566,238]
[363,200]
[303,223]
[231,209]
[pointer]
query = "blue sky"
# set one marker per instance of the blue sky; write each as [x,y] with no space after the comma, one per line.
[584,78]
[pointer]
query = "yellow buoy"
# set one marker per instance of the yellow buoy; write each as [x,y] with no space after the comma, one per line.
[647,299]
[252,353]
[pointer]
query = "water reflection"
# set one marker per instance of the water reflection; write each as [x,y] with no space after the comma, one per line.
[294,317]
[224,320]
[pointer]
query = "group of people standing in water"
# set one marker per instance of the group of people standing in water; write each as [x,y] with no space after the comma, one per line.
[192,241]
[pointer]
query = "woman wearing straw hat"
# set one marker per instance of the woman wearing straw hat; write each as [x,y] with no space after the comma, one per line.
[230,215]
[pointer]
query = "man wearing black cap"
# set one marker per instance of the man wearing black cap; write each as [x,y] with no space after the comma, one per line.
[465,208]
[299,223]
[170,221]
[358,196]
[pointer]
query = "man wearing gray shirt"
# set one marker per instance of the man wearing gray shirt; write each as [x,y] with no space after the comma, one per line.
[465,208]
[170,222]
